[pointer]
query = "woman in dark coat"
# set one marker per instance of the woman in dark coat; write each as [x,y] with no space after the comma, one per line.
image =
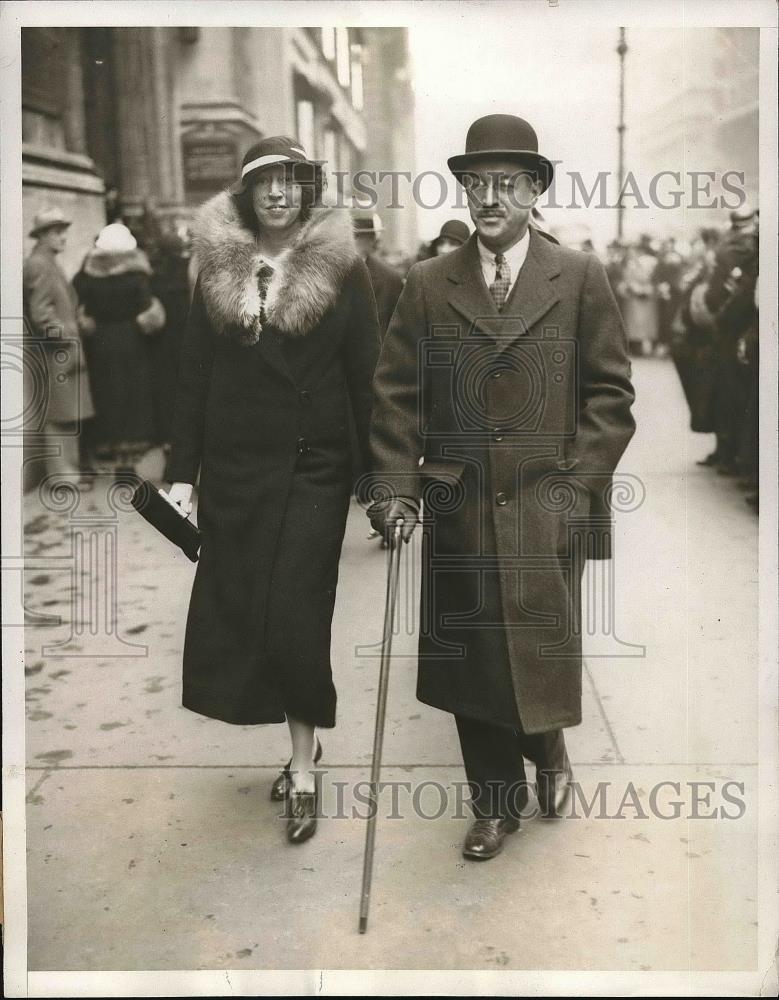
[169,260]
[282,339]
[115,295]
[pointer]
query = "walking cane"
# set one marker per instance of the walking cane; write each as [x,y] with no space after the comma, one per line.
[393,576]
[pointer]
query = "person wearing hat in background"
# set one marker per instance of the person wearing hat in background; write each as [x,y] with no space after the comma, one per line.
[50,308]
[524,400]
[282,339]
[453,234]
[638,295]
[727,302]
[387,286]
[169,257]
[114,289]
[387,283]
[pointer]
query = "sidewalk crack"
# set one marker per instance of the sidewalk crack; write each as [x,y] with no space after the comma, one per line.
[602,710]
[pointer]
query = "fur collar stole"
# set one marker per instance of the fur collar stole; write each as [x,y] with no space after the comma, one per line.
[107,263]
[306,280]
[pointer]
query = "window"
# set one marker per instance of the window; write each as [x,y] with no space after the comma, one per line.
[357,90]
[305,123]
[330,151]
[45,54]
[44,70]
[345,160]
[328,42]
[342,55]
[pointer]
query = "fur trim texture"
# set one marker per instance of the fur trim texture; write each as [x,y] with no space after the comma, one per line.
[106,263]
[305,283]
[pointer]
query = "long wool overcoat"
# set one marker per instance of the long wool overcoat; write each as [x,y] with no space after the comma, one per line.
[50,305]
[520,417]
[262,405]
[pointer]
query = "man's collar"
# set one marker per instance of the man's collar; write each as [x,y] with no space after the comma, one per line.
[515,250]
[515,255]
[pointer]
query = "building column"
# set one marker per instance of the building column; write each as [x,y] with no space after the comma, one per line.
[73,109]
[145,123]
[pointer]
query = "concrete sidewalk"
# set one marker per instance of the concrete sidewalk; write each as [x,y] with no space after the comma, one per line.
[153,845]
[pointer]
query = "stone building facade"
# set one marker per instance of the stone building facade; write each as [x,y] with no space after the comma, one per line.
[155,120]
[698,111]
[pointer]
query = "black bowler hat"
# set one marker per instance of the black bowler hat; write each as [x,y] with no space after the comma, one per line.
[454,230]
[507,137]
[268,153]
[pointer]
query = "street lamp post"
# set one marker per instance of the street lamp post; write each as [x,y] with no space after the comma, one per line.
[621,50]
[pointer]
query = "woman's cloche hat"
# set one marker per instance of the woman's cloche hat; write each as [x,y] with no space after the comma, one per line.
[506,137]
[454,230]
[267,153]
[116,238]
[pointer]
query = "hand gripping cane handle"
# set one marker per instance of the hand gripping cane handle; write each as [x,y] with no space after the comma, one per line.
[393,577]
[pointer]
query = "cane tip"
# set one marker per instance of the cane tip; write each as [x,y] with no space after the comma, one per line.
[363,925]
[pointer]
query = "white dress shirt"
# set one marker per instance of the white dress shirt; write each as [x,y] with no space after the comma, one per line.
[515,257]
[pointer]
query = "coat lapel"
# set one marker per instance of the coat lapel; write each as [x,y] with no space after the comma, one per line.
[269,346]
[531,297]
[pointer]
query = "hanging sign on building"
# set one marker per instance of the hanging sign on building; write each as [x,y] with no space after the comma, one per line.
[210,161]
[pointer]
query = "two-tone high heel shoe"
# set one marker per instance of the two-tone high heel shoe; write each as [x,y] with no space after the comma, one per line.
[301,815]
[282,786]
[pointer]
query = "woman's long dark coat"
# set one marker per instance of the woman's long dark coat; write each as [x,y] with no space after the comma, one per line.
[262,412]
[170,284]
[113,287]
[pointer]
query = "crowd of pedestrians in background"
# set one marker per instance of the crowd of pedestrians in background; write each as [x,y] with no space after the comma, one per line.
[111,339]
[701,307]
[122,317]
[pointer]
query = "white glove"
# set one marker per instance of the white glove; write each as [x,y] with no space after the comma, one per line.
[180,494]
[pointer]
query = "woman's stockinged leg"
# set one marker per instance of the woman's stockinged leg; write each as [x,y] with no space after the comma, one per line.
[303,744]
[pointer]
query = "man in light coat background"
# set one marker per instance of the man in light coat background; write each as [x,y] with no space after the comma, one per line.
[502,400]
[61,392]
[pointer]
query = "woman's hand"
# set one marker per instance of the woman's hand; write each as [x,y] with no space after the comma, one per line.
[86,324]
[180,494]
[152,319]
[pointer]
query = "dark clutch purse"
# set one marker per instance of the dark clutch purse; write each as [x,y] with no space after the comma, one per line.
[166,518]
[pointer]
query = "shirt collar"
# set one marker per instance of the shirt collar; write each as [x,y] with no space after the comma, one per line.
[515,255]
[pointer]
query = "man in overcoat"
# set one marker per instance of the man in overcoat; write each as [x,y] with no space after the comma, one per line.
[50,308]
[729,300]
[387,283]
[502,401]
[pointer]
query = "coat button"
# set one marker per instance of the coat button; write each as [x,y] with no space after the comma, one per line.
[500,499]
[498,433]
[497,374]
[302,446]
[305,396]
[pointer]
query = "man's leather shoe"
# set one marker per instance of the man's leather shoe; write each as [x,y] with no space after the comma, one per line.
[485,838]
[281,787]
[553,788]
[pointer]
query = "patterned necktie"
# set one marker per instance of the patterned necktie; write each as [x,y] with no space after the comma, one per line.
[499,289]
